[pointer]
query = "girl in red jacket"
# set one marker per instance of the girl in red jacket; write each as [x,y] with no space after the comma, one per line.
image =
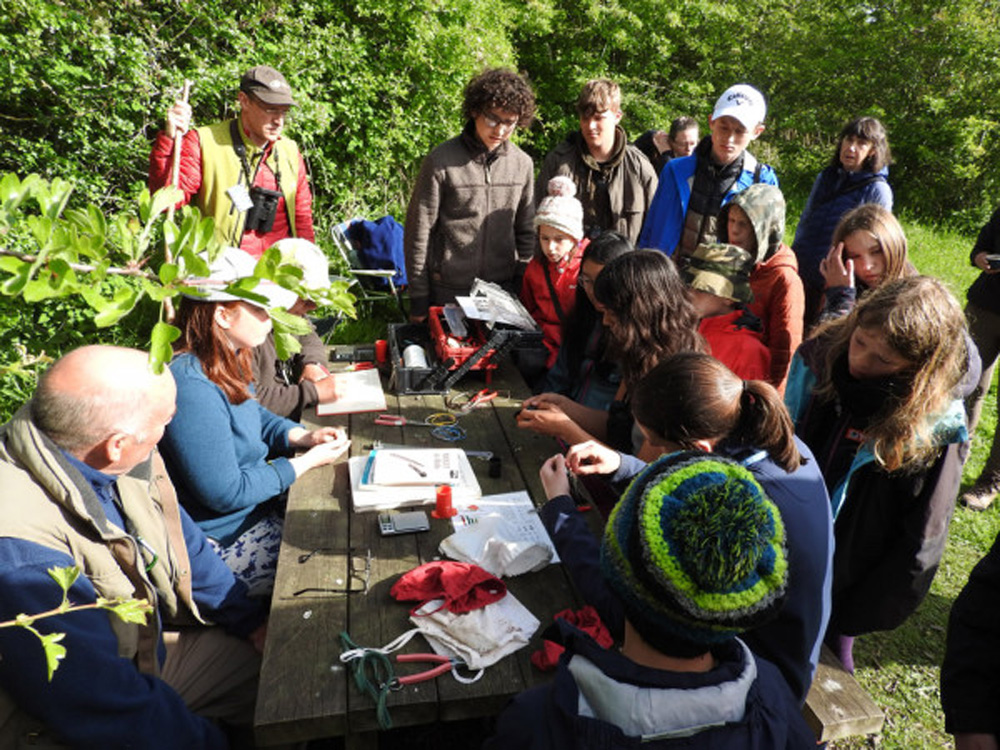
[549,287]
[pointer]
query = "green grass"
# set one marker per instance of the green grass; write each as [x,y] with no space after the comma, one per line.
[901,669]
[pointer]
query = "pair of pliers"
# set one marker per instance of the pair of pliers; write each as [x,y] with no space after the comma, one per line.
[476,400]
[444,664]
[392,420]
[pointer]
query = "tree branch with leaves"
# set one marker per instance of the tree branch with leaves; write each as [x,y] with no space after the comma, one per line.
[49,250]
[128,610]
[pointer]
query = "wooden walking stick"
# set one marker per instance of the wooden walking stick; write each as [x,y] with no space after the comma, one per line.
[175,173]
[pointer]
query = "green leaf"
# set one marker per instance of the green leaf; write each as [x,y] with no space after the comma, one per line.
[54,651]
[16,283]
[285,344]
[128,610]
[37,290]
[285,321]
[204,235]
[158,293]
[94,298]
[65,577]
[163,199]
[168,272]
[160,340]
[122,304]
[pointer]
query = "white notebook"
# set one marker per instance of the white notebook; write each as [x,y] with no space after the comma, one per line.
[368,495]
[361,391]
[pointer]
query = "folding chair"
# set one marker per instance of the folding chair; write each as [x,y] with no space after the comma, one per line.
[370,285]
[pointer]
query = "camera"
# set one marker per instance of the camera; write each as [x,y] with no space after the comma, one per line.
[993,262]
[260,216]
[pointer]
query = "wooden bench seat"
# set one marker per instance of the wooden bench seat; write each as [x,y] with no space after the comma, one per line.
[837,706]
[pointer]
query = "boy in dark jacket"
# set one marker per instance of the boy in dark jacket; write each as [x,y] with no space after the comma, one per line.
[472,209]
[614,181]
[695,552]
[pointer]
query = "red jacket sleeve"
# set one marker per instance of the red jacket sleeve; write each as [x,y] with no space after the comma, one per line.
[161,162]
[303,205]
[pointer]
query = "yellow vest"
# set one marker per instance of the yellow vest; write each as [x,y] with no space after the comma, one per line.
[221,170]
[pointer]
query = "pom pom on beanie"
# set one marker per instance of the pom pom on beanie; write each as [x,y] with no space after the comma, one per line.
[696,551]
[560,209]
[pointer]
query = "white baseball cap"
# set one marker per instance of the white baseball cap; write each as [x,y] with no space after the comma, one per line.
[234,264]
[743,102]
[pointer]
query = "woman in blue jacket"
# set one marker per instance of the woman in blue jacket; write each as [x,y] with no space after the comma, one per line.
[225,453]
[856,175]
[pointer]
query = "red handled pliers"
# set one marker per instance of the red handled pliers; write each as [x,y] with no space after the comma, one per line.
[444,664]
[393,420]
[474,401]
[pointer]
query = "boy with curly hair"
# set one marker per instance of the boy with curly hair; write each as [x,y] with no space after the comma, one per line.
[472,208]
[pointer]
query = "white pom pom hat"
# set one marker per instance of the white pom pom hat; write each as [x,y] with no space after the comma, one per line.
[560,209]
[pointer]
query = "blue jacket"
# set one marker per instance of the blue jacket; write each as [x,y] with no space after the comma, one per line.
[97,698]
[834,193]
[217,453]
[665,218]
[792,640]
[601,699]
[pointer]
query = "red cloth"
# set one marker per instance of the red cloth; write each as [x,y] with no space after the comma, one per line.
[463,586]
[585,619]
[740,349]
[189,181]
[537,298]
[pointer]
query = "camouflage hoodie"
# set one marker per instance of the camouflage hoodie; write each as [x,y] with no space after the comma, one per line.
[779,300]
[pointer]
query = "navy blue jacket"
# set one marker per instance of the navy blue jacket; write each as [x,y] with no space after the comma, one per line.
[97,699]
[834,193]
[793,639]
[601,700]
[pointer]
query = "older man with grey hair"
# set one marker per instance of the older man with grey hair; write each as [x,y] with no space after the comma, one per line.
[81,485]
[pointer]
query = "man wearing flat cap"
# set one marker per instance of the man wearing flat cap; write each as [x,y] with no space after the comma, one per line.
[241,172]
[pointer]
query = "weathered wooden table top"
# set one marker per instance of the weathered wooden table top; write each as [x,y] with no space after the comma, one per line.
[305,692]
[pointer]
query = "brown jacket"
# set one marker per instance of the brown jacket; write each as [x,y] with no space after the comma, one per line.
[470,216]
[277,383]
[615,194]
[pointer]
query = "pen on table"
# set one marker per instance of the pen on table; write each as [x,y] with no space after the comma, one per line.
[413,463]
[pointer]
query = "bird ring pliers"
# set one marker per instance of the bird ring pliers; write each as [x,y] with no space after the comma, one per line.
[444,664]
[474,401]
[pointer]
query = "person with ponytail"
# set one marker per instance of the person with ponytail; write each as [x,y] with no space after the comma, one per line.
[874,395]
[691,401]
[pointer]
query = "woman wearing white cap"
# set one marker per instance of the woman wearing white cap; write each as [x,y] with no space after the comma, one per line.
[225,453]
[289,386]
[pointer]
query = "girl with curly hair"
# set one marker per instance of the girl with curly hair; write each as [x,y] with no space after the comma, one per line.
[472,208]
[873,395]
[648,317]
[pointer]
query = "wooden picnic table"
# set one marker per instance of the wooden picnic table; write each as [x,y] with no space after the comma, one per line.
[305,691]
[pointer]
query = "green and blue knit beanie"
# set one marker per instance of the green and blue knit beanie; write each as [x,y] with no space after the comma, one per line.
[696,551]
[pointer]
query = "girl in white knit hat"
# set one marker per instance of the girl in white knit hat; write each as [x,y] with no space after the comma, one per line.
[549,287]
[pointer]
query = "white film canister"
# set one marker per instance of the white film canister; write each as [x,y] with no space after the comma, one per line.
[414,356]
